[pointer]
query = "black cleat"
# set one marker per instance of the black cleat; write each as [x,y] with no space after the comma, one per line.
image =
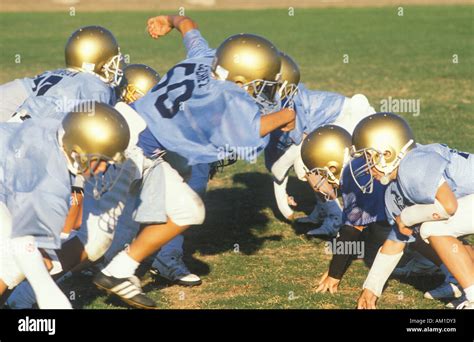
[127,289]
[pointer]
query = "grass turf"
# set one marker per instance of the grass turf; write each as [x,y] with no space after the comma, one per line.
[407,57]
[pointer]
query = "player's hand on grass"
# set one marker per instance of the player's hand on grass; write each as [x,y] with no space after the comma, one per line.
[402,228]
[328,283]
[367,300]
[159,26]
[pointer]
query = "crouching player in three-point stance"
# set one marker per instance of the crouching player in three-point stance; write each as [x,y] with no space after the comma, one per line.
[325,154]
[40,160]
[433,187]
[199,109]
[314,109]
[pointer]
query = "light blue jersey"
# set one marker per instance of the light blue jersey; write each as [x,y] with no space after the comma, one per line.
[35,183]
[314,109]
[395,202]
[201,118]
[422,169]
[60,90]
[196,45]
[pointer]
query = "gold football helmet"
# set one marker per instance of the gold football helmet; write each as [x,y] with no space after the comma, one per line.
[137,80]
[324,153]
[98,133]
[94,49]
[290,77]
[252,62]
[383,139]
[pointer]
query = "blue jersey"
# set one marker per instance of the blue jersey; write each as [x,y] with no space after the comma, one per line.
[196,45]
[313,109]
[201,118]
[423,169]
[35,183]
[361,209]
[57,92]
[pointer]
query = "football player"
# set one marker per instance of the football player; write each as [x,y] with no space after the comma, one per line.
[93,61]
[202,109]
[40,160]
[314,109]
[432,187]
[139,79]
[325,153]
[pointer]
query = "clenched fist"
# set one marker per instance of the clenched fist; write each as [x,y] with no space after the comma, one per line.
[159,26]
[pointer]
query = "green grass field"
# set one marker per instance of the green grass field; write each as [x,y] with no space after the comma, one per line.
[409,57]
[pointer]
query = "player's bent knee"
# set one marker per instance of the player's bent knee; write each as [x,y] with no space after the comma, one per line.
[360,105]
[193,212]
[96,244]
[429,229]
[197,211]
[96,249]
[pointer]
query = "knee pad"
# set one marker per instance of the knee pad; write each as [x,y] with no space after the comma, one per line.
[183,205]
[300,169]
[95,240]
[11,251]
[360,105]
[197,210]
[436,228]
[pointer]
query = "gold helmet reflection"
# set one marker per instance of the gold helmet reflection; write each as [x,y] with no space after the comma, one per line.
[96,133]
[138,79]
[290,77]
[252,62]
[94,49]
[325,151]
[383,139]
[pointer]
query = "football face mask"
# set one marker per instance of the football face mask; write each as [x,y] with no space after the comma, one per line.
[322,180]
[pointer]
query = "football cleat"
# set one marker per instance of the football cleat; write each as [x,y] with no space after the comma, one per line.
[314,218]
[455,303]
[173,269]
[444,291]
[127,289]
[330,227]
[466,305]
[332,222]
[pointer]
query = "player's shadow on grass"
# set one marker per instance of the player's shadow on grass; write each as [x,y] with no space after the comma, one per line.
[236,218]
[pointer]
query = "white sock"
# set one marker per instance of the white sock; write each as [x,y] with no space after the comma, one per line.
[30,261]
[122,266]
[469,291]
[22,297]
[448,277]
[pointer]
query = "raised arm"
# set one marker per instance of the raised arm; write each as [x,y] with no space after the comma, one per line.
[161,25]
